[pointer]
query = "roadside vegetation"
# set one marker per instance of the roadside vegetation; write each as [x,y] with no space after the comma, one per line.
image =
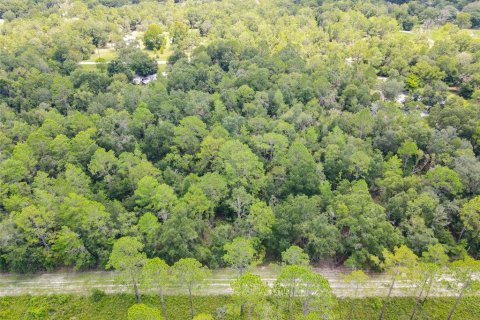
[116,307]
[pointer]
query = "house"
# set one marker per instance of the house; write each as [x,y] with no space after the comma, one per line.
[144,80]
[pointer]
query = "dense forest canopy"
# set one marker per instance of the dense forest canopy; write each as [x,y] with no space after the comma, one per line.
[342,127]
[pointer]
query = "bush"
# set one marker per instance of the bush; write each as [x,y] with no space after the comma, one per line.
[97,295]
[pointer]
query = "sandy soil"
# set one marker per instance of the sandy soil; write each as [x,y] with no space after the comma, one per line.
[218,283]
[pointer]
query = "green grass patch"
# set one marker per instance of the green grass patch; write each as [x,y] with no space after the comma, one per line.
[107,54]
[89,67]
[115,307]
[161,55]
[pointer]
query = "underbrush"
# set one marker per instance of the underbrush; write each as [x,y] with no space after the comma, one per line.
[115,306]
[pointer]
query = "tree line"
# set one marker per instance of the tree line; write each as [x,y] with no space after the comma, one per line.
[297,288]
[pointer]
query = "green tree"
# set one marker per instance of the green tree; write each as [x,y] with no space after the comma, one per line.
[70,250]
[190,273]
[153,38]
[103,163]
[316,294]
[355,279]
[249,292]
[189,133]
[260,220]
[409,151]
[470,216]
[137,61]
[429,269]
[241,166]
[463,20]
[240,254]
[463,273]
[92,221]
[156,197]
[357,215]
[303,174]
[299,220]
[295,256]
[149,227]
[287,285]
[401,262]
[445,181]
[156,274]
[38,224]
[178,31]
[128,260]
[240,200]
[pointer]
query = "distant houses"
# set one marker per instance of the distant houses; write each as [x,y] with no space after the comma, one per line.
[144,80]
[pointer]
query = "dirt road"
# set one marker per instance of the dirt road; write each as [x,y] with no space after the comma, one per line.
[218,283]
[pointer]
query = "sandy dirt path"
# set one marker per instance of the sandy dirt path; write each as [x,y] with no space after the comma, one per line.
[218,283]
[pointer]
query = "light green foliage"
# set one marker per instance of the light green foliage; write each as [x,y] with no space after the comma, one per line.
[197,201]
[190,274]
[295,256]
[189,134]
[38,224]
[355,279]
[203,316]
[148,226]
[116,306]
[303,284]
[153,38]
[103,163]
[399,262]
[288,284]
[143,312]
[128,260]
[159,198]
[70,250]
[303,174]
[409,151]
[426,275]
[463,20]
[463,272]
[402,262]
[156,274]
[249,293]
[470,215]
[241,167]
[445,181]
[240,254]
[178,32]
[260,220]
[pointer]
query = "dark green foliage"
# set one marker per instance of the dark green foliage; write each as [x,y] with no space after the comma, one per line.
[97,295]
[114,3]
[132,61]
[310,123]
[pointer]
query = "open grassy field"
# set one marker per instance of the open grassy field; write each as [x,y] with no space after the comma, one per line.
[78,307]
